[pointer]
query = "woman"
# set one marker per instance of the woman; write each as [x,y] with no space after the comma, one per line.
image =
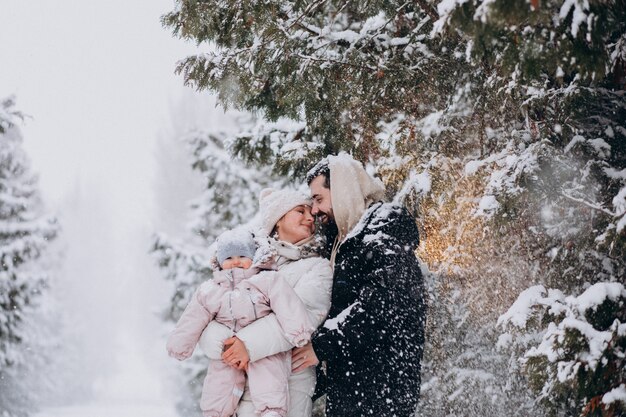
[286,216]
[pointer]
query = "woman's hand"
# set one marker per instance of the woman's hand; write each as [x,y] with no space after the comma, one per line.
[303,357]
[235,353]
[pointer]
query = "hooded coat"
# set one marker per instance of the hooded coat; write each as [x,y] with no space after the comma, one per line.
[373,339]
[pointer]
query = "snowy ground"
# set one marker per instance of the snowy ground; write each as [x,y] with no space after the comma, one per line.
[130,409]
[137,388]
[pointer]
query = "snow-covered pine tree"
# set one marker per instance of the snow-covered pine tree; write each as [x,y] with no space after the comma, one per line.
[25,234]
[338,69]
[577,362]
[503,124]
[229,199]
[563,64]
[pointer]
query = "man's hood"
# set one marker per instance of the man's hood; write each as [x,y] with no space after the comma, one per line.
[352,190]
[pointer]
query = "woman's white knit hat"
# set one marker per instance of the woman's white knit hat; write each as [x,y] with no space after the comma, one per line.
[274,204]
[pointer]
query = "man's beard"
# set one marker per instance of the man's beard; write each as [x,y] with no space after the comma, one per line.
[328,231]
[324,218]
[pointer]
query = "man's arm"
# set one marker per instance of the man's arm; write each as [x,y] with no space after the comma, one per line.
[390,299]
[378,314]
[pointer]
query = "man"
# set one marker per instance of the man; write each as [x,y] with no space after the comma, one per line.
[373,338]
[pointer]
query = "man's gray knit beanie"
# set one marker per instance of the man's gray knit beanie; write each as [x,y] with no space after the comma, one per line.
[235,243]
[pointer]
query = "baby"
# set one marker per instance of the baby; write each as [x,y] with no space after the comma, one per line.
[244,288]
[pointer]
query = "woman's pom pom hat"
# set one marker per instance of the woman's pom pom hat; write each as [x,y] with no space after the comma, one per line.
[274,204]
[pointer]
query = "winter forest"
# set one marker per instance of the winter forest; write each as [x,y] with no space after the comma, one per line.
[499,124]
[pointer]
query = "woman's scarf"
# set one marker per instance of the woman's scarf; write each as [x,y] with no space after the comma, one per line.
[289,252]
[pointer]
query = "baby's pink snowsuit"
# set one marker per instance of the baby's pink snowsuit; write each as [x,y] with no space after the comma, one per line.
[236,298]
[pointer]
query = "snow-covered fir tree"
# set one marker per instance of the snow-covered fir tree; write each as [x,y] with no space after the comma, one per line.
[25,234]
[577,363]
[501,124]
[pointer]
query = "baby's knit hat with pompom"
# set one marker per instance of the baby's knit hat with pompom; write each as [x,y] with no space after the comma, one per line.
[274,204]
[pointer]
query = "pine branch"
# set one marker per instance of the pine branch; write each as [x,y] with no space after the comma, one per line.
[428,9]
[589,204]
[334,61]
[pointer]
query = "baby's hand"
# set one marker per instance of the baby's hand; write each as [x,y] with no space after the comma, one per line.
[177,350]
[178,355]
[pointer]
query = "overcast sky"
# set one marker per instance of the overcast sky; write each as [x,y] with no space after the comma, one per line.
[97,79]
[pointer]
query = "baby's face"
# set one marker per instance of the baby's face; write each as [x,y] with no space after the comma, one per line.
[237,262]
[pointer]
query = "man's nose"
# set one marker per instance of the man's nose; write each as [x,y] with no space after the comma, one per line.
[314,210]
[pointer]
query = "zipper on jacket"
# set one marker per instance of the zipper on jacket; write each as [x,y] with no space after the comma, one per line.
[230,300]
[253,305]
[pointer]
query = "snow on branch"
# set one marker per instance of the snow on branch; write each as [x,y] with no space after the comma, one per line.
[580,14]
[9,117]
[579,339]
[419,183]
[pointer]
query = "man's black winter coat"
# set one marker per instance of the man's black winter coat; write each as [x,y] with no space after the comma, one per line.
[373,338]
